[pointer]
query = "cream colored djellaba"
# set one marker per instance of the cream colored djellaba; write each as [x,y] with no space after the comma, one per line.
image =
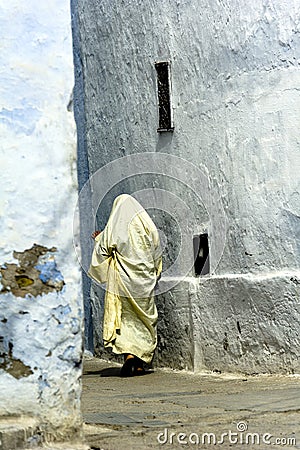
[127,257]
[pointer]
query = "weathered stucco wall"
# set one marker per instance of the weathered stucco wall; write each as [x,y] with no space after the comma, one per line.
[40,300]
[235,81]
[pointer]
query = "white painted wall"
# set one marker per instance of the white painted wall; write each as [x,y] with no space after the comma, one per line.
[37,198]
[236,76]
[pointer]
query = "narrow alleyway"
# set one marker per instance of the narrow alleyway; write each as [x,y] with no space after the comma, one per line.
[167,409]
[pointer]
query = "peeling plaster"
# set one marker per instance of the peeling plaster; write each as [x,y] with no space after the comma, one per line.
[11,365]
[35,274]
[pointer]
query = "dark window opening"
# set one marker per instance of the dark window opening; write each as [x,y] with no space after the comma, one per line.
[164,96]
[201,254]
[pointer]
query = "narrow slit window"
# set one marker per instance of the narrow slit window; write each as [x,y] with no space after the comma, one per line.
[164,96]
[201,254]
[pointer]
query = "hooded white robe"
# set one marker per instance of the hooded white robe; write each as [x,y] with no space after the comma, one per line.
[127,257]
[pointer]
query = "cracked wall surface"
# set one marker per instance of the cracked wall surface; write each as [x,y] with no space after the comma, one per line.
[35,274]
[40,299]
[235,69]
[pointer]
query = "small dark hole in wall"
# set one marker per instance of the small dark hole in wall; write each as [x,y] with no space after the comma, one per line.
[225,342]
[10,348]
[164,96]
[238,327]
[201,254]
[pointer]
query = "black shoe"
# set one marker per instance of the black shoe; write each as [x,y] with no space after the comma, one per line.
[132,367]
[128,368]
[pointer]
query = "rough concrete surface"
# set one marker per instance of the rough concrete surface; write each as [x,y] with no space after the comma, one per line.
[247,323]
[16,432]
[235,323]
[131,413]
[20,432]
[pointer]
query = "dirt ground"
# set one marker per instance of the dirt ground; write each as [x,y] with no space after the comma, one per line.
[169,409]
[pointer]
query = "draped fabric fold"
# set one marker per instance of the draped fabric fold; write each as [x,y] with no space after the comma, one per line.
[127,257]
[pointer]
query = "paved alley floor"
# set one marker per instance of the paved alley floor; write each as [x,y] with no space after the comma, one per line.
[168,410]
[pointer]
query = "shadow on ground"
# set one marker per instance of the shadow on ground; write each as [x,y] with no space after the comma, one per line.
[110,372]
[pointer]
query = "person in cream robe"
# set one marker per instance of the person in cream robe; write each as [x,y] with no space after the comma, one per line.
[127,257]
